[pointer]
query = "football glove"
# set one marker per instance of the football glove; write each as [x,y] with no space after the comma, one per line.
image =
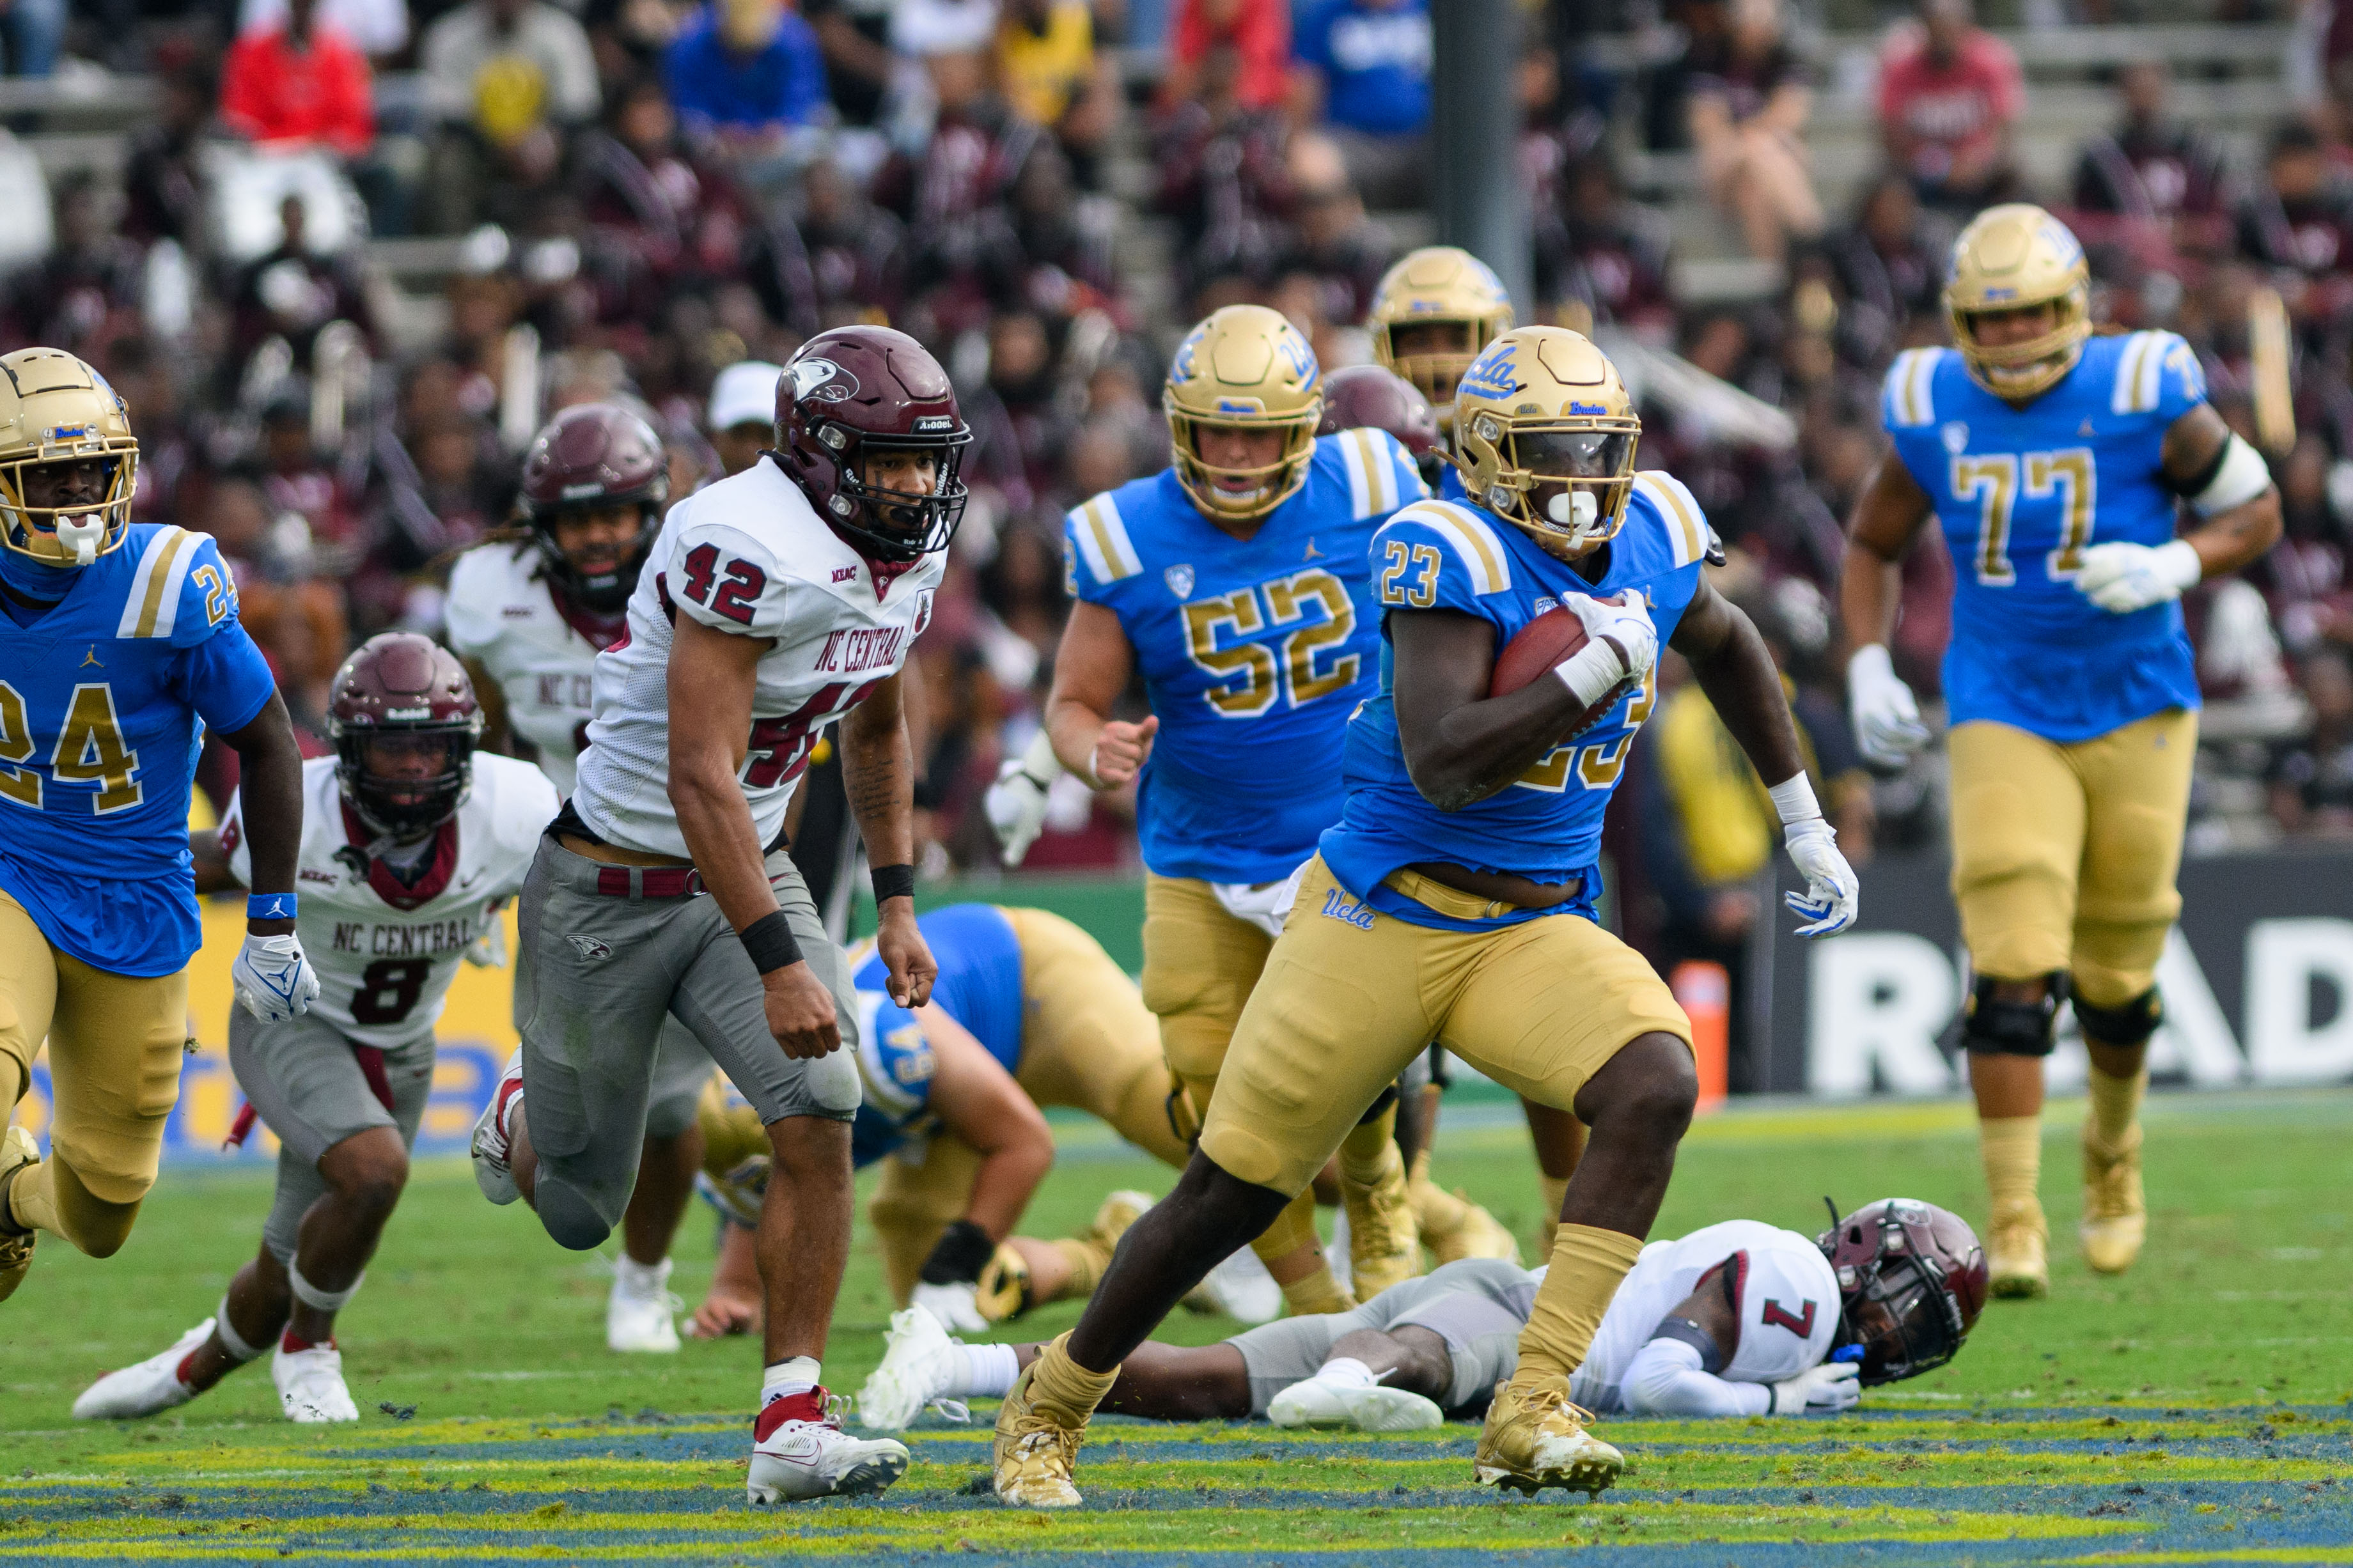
[273,978]
[1624,645]
[954,1306]
[2121,578]
[1887,728]
[1832,894]
[1016,805]
[1826,1388]
[489,951]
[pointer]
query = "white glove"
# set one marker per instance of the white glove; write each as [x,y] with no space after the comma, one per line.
[2122,578]
[954,1306]
[1622,646]
[489,951]
[1828,1387]
[273,979]
[1887,727]
[1832,895]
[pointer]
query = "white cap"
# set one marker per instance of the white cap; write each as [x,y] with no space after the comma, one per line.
[925,28]
[745,392]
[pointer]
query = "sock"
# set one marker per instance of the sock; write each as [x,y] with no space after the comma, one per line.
[1317,1293]
[1293,1228]
[1366,1151]
[1087,1262]
[1555,1192]
[292,1343]
[1587,1264]
[1347,1371]
[636,1279]
[783,1379]
[1437,1213]
[982,1371]
[1065,1392]
[2116,1108]
[2011,1147]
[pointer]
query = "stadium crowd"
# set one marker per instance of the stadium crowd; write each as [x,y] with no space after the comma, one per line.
[622,199]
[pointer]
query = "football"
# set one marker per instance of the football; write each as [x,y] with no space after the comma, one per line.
[1543,643]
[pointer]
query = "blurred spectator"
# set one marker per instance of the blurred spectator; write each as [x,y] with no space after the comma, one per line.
[745,71]
[859,64]
[504,76]
[144,377]
[2154,170]
[1949,92]
[1748,102]
[291,291]
[1335,242]
[1258,32]
[87,285]
[300,82]
[855,251]
[2299,218]
[1888,269]
[1222,178]
[1051,74]
[1363,74]
[377,28]
[296,617]
[742,420]
[1608,264]
[658,214]
[2311,778]
[951,191]
[162,186]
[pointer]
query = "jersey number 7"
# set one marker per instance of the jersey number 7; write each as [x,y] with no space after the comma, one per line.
[1991,480]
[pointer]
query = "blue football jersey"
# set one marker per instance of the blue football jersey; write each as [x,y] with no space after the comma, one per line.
[1253,652]
[1546,824]
[979,986]
[102,705]
[2019,493]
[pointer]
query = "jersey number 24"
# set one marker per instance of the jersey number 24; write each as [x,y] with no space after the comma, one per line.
[91,750]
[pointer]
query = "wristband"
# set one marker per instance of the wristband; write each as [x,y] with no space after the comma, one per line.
[1794,799]
[1040,763]
[271,906]
[770,941]
[1592,672]
[893,883]
[963,1250]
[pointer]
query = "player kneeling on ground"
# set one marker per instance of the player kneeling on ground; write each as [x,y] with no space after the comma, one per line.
[1739,1319]
[1028,1011]
[412,841]
[1455,900]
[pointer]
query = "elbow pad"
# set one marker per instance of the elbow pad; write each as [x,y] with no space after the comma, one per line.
[2239,478]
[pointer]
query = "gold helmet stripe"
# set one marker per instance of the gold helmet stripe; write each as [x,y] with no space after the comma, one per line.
[1482,554]
[1102,540]
[152,608]
[1677,505]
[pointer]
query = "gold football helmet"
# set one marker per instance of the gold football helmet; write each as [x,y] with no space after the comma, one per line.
[56,409]
[1543,409]
[2014,257]
[1432,314]
[1244,368]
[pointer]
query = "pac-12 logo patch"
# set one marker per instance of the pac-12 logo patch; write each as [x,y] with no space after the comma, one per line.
[590,947]
[823,380]
[1956,437]
[1179,580]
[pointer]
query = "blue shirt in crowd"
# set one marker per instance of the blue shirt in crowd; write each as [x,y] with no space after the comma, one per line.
[1375,62]
[783,84]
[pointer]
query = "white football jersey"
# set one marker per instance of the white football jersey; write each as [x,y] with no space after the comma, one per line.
[1787,1296]
[748,555]
[503,615]
[385,953]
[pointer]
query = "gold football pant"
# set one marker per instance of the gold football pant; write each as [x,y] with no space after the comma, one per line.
[2064,856]
[1087,1042]
[115,1044]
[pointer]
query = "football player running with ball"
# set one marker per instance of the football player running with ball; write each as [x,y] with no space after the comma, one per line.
[1455,900]
[530,616]
[120,645]
[410,844]
[2054,461]
[775,603]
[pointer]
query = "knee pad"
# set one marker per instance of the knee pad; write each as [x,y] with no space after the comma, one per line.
[2129,1024]
[568,1216]
[320,1300]
[1992,1028]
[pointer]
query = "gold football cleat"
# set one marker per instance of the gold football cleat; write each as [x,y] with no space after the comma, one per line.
[2017,1250]
[1034,1452]
[1536,1438]
[1475,1233]
[2115,1214]
[17,1152]
[1384,1242]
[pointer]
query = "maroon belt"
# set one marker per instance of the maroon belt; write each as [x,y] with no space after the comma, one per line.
[647,881]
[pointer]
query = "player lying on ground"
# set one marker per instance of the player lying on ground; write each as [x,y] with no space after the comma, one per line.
[410,844]
[1028,1011]
[1739,1319]
[2055,462]
[529,616]
[121,645]
[775,602]
[1455,900]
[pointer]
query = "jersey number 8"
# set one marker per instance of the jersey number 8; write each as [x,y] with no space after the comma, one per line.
[1250,675]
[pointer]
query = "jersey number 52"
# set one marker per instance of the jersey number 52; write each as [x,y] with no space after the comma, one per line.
[1250,675]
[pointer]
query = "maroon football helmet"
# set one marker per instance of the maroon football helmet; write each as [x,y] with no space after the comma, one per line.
[402,717]
[1366,396]
[858,392]
[593,456]
[1912,1280]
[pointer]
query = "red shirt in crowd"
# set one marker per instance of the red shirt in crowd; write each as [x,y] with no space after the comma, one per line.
[1951,112]
[273,90]
[1260,32]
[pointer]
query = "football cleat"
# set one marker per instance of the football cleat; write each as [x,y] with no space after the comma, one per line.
[1536,1438]
[1033,1454]
[149,1387]
[311,1384]
[1315,1402]
[799,1451]
[18,1150]
[2115,1213]
[492,1173]
[1242,1288]
[640,1315]
[1384,1246]
[2017,1250]
[1476,1234]
[917,1369]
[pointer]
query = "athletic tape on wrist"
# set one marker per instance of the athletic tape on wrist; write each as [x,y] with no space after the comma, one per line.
[231,1340]
[770,941]
[1591,671]
[320,1300]
[1794,799]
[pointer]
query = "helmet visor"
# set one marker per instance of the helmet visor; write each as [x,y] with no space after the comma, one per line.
[1573,454]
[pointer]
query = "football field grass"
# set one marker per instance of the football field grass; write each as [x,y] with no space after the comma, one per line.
[2197,1410]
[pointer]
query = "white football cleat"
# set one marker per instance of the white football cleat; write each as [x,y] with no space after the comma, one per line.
[640,1315]
[311,1384]
[1243,1290]
[917,1357]
[799,1451]
[147,1389]
[1315,1402]
[492,1173]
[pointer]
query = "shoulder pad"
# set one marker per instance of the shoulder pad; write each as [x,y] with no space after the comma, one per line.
[2141,364]
[1689,536]
[1469,538]
[153,605]
[1100,534]
[1909,398]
